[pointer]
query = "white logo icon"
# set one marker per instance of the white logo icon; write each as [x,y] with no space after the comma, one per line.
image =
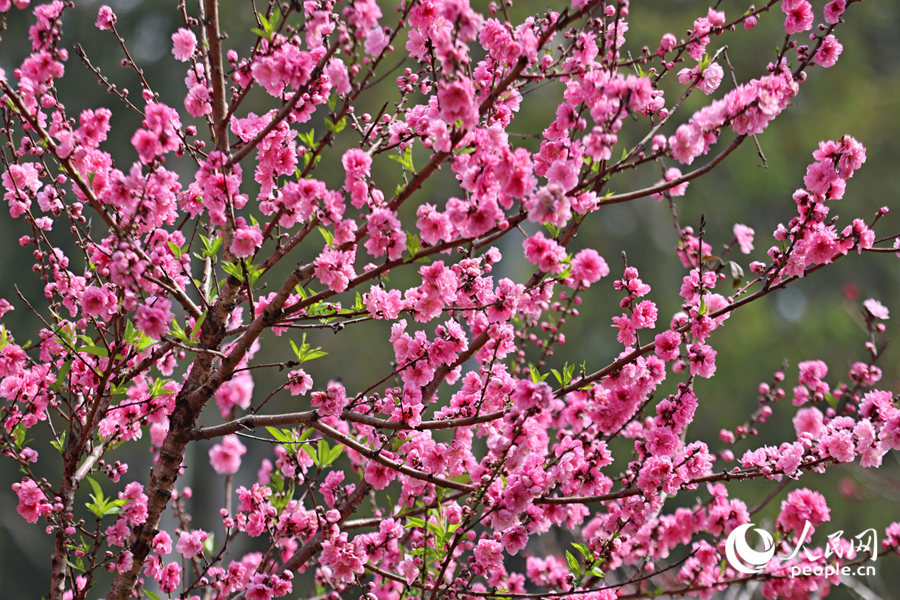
[742,557]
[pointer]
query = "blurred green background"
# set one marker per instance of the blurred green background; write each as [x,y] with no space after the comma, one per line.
[817,318]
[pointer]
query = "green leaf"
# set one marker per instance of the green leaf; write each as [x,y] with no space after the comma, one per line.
[178,332]
[405,159]
[95,350]
[413,244]
[414,522]
[276,482]
[308,138]
[737,274]
[151,595]
[64,371]
[329,237]
[209,544]
[234,269]
[703,307]
[336,128]
[574,565]
[19,433]
[98,491]
[177,250]
[305,352]
[553,229]
[335,453]
[585,551]
[210,248]
[323,450]
[282,435]
[436,530]
[536,375]
[558,377]
[196,328]
[61,444]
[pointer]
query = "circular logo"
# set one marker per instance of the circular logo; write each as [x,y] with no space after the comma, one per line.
[742,557]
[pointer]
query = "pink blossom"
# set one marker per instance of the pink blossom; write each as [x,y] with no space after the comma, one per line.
[300,382]
[703,360]
[106,18]
[801,506]
[247,240]
[666,44]
[337,73]
[334,268]
[744,236]
[99,302]
[332,401]
[890,432]
[811,374]
[184,42]
[588,267]
[155,317]
[124,562]
[711,78]
[136,509]
[827,55]
[656,471]
[190,544]
[12,360]
[546,253]
[457,102]
[257,588]
[170,577]
[667,344]
[644,315]
[376,41]
[343,557]
[378,475]
[383,304]
[117,534]
[407,569]
[680,189]
[488,556]
[799,15]
[876,309]
[809,421]
[225,458]
[32,502]
[162,543]
[834,10]
[840,446]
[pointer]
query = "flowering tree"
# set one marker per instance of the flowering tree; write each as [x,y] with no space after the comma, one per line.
[153,315]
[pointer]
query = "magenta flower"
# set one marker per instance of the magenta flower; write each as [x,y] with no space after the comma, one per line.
[225,458]
[876,309]
[190,544]
[744,236]
[589,267]
[184,42]
[106,18]
[800,507]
